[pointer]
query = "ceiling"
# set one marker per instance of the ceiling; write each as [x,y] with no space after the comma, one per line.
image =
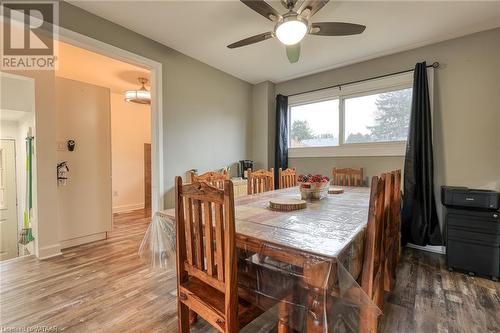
[82,65]
[202,29]
[17,97]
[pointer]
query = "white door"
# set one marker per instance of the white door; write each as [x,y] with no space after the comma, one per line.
[8,204]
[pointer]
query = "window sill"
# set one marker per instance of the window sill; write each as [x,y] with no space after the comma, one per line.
[352,150]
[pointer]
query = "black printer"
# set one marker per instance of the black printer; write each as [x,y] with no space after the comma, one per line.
[472,230]
[465,197]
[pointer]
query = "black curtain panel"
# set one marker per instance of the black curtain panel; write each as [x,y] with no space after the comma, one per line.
[281,151]
[420,224]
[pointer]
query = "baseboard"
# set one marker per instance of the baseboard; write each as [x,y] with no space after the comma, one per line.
[128,208]
[83,240]
[47,252]
[20,258]
[428,248]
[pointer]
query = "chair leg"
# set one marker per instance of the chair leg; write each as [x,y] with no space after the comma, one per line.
[183,317]
[368,321]
[388,273]
[193,317]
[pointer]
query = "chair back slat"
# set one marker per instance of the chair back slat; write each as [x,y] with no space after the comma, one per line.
[219,240]
[260,181]
[209,238]
[387,238]
[393,233]
[396,210]
[189,229]
[287,178]
[379,226]
[213,178]
[347,176]
[198,234]
[230,261]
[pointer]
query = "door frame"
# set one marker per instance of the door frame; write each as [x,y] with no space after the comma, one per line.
[156,69]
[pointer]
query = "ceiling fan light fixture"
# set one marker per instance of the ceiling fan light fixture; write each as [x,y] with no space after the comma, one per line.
[140,96]
[291,31]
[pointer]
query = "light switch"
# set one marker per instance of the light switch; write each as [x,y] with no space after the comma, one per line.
[61,146]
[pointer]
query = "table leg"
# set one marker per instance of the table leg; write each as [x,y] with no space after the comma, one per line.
[317,279]
[316,311]
[284,313]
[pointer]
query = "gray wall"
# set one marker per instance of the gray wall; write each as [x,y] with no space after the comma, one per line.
[466,110]
[204,109]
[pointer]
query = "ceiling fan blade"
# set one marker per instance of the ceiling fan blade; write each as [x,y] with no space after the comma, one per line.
[293,53]
[263,9]
[251,40]
[336,29]
[312,6]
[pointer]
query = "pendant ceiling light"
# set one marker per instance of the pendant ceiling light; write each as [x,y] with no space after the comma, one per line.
[140,96]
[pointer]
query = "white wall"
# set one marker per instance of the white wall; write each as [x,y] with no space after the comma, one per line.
[8,129]
[84,204]
[130,129]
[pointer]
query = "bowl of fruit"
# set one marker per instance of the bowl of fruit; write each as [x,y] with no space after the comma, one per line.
[313,187]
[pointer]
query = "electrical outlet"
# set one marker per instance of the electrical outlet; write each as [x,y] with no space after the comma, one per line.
[115,193]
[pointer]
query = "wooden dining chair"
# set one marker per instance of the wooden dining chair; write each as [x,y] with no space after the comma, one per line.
[206,258]
[260,181]
[347,176]
[213,178]
[372,275]
[287,178]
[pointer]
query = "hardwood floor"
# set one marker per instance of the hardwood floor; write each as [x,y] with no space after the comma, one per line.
[104,287]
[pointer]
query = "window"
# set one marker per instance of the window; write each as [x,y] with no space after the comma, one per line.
[378,117]
[315,124]
[370,118]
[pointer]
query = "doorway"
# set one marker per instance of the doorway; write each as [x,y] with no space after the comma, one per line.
[17,176]
[156,106]
[108,164]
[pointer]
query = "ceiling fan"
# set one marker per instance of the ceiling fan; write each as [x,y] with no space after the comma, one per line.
[291,27]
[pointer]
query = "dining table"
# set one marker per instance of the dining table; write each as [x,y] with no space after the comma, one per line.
[321,247]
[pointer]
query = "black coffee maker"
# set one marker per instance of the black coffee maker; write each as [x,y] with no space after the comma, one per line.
[244,165]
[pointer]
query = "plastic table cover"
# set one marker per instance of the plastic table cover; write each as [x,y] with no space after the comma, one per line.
[303,264]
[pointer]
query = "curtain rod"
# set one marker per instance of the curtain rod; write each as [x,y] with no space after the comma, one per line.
[434,65]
